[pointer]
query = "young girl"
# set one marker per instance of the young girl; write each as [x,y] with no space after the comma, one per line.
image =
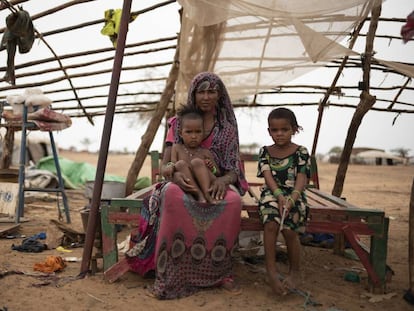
[188,157]
[285,167]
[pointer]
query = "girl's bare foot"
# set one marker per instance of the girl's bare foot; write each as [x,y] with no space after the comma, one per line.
[291,280]
[277,286]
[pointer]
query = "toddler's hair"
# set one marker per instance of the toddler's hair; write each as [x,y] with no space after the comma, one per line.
[284,113]
[189,113]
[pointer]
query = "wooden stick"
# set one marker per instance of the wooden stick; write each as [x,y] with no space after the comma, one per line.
[411,241]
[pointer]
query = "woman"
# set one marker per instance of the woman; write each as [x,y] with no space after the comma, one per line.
[186,242]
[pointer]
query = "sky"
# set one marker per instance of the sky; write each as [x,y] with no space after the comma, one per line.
[376,130]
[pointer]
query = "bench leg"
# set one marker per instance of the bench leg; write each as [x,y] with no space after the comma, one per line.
[117,270]
[109,247]
[339,244]
[378,257]
[363,256]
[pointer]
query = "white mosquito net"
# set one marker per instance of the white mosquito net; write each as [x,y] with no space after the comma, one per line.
[256,44]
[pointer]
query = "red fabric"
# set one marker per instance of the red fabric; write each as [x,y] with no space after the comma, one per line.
[45,119]
[137,264]
[189,244]
[407,30]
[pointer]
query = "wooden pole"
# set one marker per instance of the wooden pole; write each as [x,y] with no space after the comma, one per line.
[366,103]
[106,134]
[8,145]
[409,294]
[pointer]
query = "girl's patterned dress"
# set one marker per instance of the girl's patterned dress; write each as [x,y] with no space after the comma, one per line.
[284,172]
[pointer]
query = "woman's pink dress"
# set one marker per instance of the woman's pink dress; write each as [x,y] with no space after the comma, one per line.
[186,243]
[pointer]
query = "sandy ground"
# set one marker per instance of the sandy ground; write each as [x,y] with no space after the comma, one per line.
[387,188]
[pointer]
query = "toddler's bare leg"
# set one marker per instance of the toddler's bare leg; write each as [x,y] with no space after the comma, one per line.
[203,177]
[184,167]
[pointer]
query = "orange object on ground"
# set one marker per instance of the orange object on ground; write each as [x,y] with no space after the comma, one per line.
[52,264]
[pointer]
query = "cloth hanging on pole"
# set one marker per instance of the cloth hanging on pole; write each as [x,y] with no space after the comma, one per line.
[19,33]
[112,22]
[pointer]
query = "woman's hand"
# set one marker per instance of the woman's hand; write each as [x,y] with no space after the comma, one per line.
[219,187]
[168,172]
[183,182]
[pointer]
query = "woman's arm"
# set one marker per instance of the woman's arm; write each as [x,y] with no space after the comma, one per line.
[219,186]
[174,153]
[226,154]
[169,159]
[166,159]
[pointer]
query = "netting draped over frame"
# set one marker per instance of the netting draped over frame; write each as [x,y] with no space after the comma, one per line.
[256,44]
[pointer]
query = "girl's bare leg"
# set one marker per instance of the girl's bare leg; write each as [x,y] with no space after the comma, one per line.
[293,249]
[271,230]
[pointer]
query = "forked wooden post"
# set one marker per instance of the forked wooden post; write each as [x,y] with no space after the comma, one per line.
[409,294]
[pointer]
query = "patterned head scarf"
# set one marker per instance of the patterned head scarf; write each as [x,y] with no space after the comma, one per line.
[208,80]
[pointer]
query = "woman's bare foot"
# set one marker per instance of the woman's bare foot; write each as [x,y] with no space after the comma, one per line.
[231,287]
[276,285]
[150,292]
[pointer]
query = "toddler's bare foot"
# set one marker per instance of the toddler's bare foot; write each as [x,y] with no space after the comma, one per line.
[277,286]
[201,198]
[210,199]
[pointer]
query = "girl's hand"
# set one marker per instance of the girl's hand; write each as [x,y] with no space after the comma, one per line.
[289,203]
[281,201]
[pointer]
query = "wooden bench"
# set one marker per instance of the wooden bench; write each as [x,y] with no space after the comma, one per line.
[328,214]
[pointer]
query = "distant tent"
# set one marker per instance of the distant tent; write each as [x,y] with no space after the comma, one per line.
[377,157]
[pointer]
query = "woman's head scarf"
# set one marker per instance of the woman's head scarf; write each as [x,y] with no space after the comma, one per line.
[225,141]
[209,80]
